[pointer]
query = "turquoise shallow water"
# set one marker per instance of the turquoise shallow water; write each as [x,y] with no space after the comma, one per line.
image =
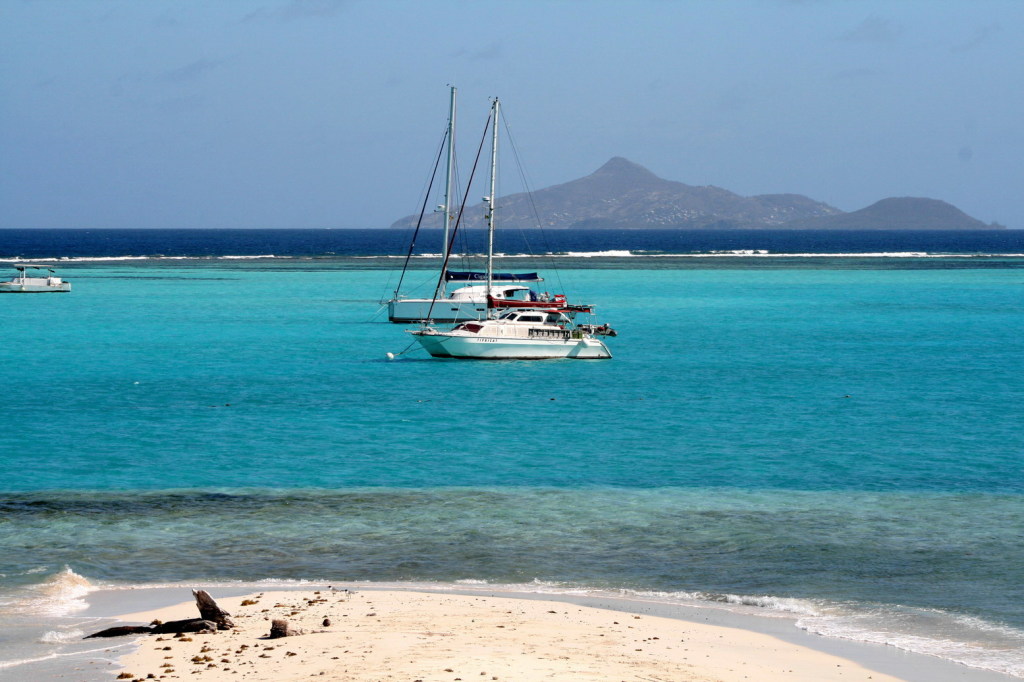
[844,444]
[815,380]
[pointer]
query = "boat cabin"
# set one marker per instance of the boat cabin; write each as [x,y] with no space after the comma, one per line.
[535,317]
[523,320]
[506,292]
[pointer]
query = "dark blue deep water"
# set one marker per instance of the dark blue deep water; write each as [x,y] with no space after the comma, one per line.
[29,244]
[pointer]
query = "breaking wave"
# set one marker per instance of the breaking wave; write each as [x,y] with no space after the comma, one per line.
[60,594]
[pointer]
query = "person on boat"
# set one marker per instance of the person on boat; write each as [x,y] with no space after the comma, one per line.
[545,297]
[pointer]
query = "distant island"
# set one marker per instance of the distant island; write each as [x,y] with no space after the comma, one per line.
[621,194]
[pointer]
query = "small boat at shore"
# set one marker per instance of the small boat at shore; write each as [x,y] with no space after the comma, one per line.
[23,284]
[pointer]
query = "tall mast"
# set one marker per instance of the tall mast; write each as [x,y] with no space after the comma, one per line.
[448,173]
[490,200]
[447,206]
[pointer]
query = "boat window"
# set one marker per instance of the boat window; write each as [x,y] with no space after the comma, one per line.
[508,316]
[531,318]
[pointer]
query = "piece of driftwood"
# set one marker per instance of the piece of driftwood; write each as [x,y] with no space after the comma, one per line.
[281,628]
[121,631]
[209,610]
[186,625]
[211,618]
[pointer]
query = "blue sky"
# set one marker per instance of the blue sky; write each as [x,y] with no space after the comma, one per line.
[327,113]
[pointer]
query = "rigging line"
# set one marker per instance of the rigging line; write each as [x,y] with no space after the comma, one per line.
[463,244]
[458,221]
[423,209]
[377,313]
[548,255]
[402,272]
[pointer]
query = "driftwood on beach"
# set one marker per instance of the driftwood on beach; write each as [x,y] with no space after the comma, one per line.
[121,631]
[209,610]
[211,618]
[186,625]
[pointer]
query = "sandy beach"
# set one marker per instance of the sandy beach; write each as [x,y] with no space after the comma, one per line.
[435,637]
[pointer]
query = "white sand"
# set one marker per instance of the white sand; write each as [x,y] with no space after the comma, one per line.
[409,636]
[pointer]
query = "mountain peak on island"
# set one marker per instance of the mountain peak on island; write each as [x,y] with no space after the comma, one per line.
[623,168]
[906,207]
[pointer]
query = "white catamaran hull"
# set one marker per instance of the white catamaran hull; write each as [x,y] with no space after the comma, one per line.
[418,309]
[442,345]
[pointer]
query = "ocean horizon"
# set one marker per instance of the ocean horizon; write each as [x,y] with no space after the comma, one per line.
[816,426]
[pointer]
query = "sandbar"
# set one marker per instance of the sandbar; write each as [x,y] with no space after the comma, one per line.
[433,637]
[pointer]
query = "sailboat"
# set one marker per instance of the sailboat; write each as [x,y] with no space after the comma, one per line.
[472,300]
[519,333]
